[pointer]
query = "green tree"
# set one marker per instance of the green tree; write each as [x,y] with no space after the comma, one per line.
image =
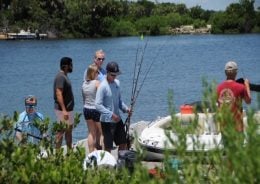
[136,11]
[181,9]
[148,6]
[174,20]
[238,18]
[164,9]
[150,25]
[99,10]
[78,18]
[122,28]
[248,15]
[26,14]
[241,16]
[196,12]
[218,22]
[198,23]
[56,15]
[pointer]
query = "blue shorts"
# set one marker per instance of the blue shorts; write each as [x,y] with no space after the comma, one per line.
[91,114]
[113,132]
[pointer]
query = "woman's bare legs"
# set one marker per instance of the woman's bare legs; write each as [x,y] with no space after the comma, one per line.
[99,136]
[91,135]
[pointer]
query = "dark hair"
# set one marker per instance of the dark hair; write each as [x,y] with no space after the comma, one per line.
[112,67]
[65,61]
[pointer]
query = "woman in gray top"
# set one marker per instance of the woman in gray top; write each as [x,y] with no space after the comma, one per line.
[89,89]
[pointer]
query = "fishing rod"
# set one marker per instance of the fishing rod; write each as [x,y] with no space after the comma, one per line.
[135,90]
[136,78]
[137,71]
[28,134]
[148,71]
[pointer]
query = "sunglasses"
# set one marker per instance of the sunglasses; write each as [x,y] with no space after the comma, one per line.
[30,106]
[101,59]
[113,75]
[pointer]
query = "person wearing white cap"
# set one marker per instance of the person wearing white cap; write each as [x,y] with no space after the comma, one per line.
[108,102]
[231,93]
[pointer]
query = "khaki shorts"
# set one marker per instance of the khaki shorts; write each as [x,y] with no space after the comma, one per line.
[60,117]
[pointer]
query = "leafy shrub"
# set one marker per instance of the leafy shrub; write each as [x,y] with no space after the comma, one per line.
[235,163]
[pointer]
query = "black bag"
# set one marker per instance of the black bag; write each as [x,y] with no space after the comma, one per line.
[126,158]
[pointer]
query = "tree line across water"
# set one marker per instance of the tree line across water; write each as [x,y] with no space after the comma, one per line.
[105,18]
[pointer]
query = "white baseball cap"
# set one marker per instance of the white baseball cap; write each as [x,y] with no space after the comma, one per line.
[231,65]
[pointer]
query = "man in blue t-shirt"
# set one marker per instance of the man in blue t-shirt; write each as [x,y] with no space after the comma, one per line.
[25,128]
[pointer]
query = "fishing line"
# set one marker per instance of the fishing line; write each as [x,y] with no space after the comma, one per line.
[135,91]
[149,68]
[136,77]
[137,71]
[134,80]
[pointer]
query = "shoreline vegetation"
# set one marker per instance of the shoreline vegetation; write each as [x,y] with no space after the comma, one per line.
[23,163]
[111,18]
[28,35]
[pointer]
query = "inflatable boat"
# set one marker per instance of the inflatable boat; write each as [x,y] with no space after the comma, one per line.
[205,137]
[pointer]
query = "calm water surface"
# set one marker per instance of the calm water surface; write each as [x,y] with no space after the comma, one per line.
[178,63]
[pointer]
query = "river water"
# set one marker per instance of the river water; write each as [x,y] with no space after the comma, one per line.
[177,63]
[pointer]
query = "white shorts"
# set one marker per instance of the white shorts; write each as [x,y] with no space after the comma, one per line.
[60,117]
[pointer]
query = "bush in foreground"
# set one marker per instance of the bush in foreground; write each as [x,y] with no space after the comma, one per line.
[233,164]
